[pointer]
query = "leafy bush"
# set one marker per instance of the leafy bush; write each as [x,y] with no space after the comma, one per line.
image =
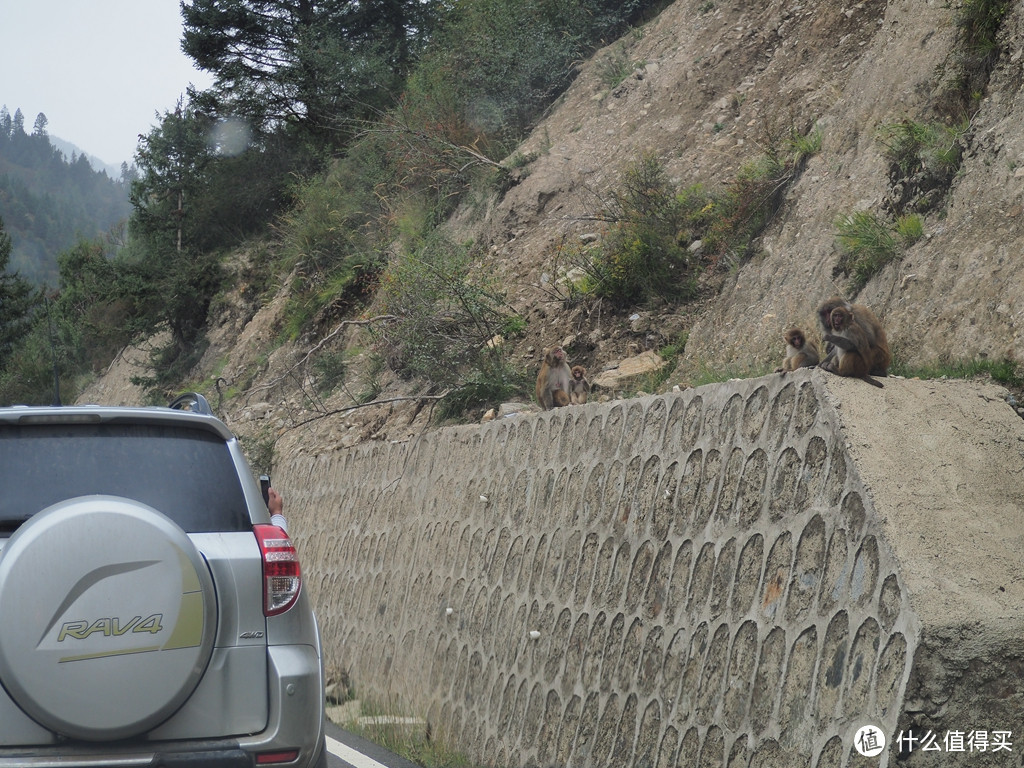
[924,159]
[445,317]
[499,63]
[329,370]
[615,66]
[645,252]
[651,249]
[979,22]
[869,243]
[748,203]
[27,378]
[494,381]
[331,241]
[973,56]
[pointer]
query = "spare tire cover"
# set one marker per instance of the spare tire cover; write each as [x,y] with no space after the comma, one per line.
[109,617]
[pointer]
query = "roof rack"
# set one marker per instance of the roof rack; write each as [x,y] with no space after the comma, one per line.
[191,401]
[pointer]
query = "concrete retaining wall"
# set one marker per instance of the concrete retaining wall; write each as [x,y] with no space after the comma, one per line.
[693,579]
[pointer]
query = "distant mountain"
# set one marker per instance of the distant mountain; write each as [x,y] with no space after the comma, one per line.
[49,203]
[69,150]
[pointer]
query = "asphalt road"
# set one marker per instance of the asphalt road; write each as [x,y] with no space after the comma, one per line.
[350,751]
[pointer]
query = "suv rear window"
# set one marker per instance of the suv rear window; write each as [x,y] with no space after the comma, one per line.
[187,474]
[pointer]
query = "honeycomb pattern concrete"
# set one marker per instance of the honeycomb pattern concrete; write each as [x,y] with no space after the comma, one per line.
[690,579]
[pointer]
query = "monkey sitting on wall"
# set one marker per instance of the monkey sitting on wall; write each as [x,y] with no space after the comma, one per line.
[866,329]
[579,387]
[801,352]
[553,380]
[859,343]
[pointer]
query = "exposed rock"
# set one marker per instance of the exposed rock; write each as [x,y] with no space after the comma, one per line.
[628,371]
[514,409]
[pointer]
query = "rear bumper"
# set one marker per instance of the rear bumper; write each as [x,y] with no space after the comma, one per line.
[295,722]
[296,715]
[196,755]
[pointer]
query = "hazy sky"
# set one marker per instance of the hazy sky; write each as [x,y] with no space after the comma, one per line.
[100,70]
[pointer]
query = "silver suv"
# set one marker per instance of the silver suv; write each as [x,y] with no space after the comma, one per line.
[150,614]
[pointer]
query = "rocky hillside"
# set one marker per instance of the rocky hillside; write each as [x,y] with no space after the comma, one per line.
[709,80]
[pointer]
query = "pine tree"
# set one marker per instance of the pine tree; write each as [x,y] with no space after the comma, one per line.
[39,127]
[310,65]
[173,160]
[16,301]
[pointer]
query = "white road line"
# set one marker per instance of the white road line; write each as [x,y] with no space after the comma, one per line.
[351,756]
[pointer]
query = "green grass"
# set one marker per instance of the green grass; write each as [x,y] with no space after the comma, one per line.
[909,229]
[615,67]
[868,245]
[706,375]
[931,147]
[1009,373]
[429,752]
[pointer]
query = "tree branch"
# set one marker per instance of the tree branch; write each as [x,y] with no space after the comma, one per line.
[347,408]
[291,369]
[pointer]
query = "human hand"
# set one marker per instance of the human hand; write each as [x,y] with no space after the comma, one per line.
[275,503]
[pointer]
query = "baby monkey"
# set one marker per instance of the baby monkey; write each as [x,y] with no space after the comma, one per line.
[801,352]
[579,387]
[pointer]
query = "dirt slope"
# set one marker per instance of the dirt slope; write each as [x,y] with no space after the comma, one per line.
[712,82]
[710,78]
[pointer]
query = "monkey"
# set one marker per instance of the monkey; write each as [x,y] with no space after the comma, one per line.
[579,387]
[824,319]
[859,348]
[553,380]
[801,352]
[870,332]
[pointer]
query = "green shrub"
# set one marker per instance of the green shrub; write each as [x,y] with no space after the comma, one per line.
[930,147]
[672,351]
[493,382]
[331,240]
[499,63]
[650,248]
[804,145]
[976,50]
[979,22]
[329,369]
[868,244]
[750,201]
[614,66]
[910,229]
[645,252]
[445,317]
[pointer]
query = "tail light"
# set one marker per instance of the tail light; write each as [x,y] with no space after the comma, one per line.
[282,578]
[275,758]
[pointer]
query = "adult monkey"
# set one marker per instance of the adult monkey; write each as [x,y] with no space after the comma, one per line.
[553,380]
[859,346]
